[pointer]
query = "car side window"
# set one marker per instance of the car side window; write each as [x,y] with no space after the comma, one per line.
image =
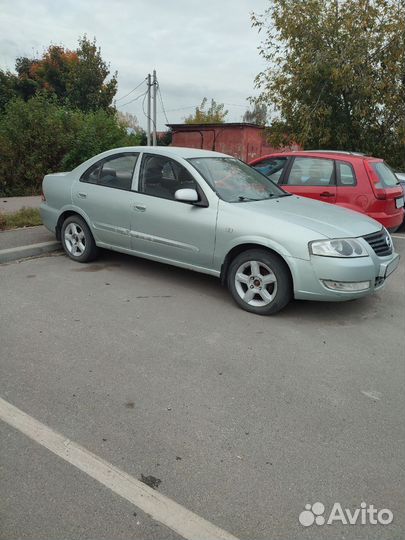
[114,171]
[306,171]
[92,174]
[162,177]
[272,167]
[345,174]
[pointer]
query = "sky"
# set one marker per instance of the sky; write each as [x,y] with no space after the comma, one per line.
[199,49]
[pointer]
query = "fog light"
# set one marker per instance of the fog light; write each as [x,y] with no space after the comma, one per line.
[346,286]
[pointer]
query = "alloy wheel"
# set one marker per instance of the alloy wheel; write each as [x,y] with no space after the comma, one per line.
[256,283]
[75,239]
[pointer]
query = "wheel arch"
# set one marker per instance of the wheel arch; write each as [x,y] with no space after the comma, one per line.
[240,248]
[67,213]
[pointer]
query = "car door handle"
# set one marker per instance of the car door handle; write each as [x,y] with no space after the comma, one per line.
[82,195]
[139,207]
[326,194]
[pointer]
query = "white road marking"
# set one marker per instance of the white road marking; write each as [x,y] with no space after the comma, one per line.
[372,394]
[401,237]
[158,506]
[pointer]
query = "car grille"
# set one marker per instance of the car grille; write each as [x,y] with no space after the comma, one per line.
[380,242]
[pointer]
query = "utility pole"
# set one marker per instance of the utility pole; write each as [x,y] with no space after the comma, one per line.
[148,112]
[154,82]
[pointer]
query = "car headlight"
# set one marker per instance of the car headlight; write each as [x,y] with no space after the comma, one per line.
[341,247]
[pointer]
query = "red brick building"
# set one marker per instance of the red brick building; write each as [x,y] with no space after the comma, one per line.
[242,140]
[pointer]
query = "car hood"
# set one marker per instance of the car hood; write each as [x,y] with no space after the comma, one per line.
[323,218]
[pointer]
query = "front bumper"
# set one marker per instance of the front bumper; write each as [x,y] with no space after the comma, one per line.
[309,276]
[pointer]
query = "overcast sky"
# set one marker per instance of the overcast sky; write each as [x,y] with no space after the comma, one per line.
[198,48]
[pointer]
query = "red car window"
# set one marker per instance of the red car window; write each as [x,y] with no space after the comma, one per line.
[345,174]
[306,171]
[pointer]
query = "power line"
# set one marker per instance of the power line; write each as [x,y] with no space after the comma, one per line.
[133,90]
[132,100]
[182,108]
[161,101]
[234,105]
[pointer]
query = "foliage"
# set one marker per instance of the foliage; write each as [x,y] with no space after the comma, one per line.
[87,87]
[215,114]
[165,139]
[128,120]
[40,136]
[94,132]
[336,74]
[7,88]
[77,78]
[256,116]
[26,217]
[130,123]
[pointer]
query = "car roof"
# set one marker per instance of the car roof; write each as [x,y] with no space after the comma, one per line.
[170,151]
[320,153]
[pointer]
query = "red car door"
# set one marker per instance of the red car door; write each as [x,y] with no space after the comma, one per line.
[312,177]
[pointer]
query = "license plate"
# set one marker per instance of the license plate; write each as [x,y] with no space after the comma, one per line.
[391,267]
[399,203]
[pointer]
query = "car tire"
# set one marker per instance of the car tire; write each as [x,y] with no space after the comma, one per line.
[259,281]
[77,240]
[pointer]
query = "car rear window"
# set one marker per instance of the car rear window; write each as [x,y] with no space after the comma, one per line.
[385,174]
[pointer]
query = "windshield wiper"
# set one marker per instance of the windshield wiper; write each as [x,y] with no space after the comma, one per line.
[243,198]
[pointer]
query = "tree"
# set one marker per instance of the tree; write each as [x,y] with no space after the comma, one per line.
[88,88]
[78,79]
[40,136]
[128,120]
[336,74]
[214,115]
[7,88]
[256,116]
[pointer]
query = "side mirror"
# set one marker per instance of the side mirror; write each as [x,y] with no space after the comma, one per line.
[186,195]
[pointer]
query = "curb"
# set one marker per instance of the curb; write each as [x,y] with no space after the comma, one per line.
[33,250]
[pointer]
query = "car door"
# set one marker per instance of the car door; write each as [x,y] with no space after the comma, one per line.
[167,229]
[348,193]
[104,194]
[311,177]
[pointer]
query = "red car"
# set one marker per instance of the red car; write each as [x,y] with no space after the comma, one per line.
[355,181]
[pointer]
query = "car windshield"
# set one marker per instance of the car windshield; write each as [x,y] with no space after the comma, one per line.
[234,181]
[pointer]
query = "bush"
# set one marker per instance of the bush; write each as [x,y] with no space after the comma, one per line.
[40,136]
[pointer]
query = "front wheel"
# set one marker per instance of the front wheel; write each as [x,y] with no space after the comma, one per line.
[260,282]
[77,240]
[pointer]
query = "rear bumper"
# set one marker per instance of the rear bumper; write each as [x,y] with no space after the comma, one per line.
[390,221]
[49,216]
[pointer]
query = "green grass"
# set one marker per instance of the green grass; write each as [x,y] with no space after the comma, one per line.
[26,217]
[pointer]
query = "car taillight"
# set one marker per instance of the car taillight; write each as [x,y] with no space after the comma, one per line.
[378,189]
[43,198]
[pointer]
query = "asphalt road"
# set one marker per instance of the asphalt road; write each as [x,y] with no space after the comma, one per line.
[244,419]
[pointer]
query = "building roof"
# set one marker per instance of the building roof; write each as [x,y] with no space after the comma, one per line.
[194,127]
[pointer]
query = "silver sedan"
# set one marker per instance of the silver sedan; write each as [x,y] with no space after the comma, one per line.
[212,213]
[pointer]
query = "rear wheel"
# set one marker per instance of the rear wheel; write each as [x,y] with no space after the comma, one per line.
[77,240]
[259,282]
